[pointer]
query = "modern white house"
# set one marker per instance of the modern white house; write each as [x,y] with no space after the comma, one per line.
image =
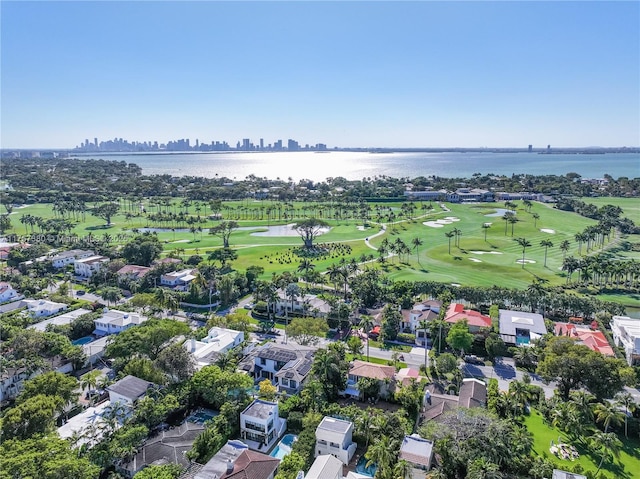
[325,466]
[87,267]
[287,366]
[218,341]
[518,328]
[59,320]
[179,280]
[7,293]
[418,452]
[41,308]
[65,258]
[626,333]
[128,390]
[114,322]
[261,425]
[334,437]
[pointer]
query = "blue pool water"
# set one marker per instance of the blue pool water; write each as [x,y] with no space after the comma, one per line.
[366,471]
[82,341]
[284,446]
[202,415]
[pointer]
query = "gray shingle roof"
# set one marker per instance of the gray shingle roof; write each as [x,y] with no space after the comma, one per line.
[130,387]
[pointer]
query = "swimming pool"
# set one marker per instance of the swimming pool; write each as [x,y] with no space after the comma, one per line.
[284,446]
[82,341]
[366,471]
[202,415]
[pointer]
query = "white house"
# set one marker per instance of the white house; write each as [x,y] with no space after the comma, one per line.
[179,280]
[128,390]
[59,320]
[218,341]
[519,328]
[7,293]
[87,267]
[334,437]
[325,467]
[40,308]
[307,303]
[413,318]
[261,425]
[626,333]
[65,258]
[418,452]
[113,321]
[286,366]
[95,349]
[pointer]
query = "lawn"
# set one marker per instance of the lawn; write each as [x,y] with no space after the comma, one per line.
[385,362]
[627,466]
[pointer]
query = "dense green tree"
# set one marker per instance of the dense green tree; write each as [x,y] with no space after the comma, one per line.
[153,411]
[307,331]
[309,230]
[459,337]
[216,386]
[146,369]
[446,363]
[51,383]
[142,249]
[165,471]
[105,211]
[330,367]
[34,415]
[391,319]
[147,339]
[176,362]
[224,230]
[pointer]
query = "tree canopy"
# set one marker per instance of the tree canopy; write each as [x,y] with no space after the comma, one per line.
[146,339]
[306,331]
[309,230]
[142,249]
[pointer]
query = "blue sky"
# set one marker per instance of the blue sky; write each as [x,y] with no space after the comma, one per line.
[412,74]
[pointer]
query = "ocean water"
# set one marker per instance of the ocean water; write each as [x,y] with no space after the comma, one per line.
[358,165]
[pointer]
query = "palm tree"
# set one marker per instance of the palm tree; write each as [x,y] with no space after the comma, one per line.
[482,469]
[608,414]
[525,244]
[536,217]
[402,470]
[416,242]
[449,235]
[546,244]
[89,381]
[512,221]
[382,453]
[564,247]
[367,324]
[626,399]
[606,445]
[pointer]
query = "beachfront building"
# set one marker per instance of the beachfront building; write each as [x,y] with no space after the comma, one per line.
[218,341]
[334,437]
[626,333]
[65,258]
[113,321]
[585,335]
[518,328]
[128,390]
[87,267]
[287,366]
[261,425]
[179,280]
[41,308]
[418,452]
[475,320]
[7,293]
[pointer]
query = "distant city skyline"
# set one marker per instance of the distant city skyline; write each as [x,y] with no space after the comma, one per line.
[344,74]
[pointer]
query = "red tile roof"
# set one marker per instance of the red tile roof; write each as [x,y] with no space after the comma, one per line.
[364,369]
[456,313]
[594,340]
[253,465]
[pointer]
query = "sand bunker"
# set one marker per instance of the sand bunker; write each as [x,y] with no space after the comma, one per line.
[452,218]
[362,228]
[433,224]
[182,241]
[547,230]
[475,260]
[526,261]
[486,252]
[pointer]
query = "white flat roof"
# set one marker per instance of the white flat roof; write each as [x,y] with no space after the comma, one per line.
[63,319]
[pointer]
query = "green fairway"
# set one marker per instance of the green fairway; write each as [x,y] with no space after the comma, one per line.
[471,261]
[627,466]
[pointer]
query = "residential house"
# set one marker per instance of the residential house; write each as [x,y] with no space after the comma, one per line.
[95,350]
[325,466]
[334,437]
[418,452]
[166,447]
[60,320]
[414,317]
[235,461]
[41,308]
[218,341]
[113,321]
[132,272]
[91,419]
[308,304]
[626,333]
[261,425]
[473,393]
[87,267]
[128,390]
[558,474]
[588,336]
[65,258]
[518,328]
[12,378]
[287,366]
[179,280]
[475,320]
[7,293]
[362,369]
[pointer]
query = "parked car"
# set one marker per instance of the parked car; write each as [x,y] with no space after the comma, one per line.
[248,306]
[473,360]
[80,292]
